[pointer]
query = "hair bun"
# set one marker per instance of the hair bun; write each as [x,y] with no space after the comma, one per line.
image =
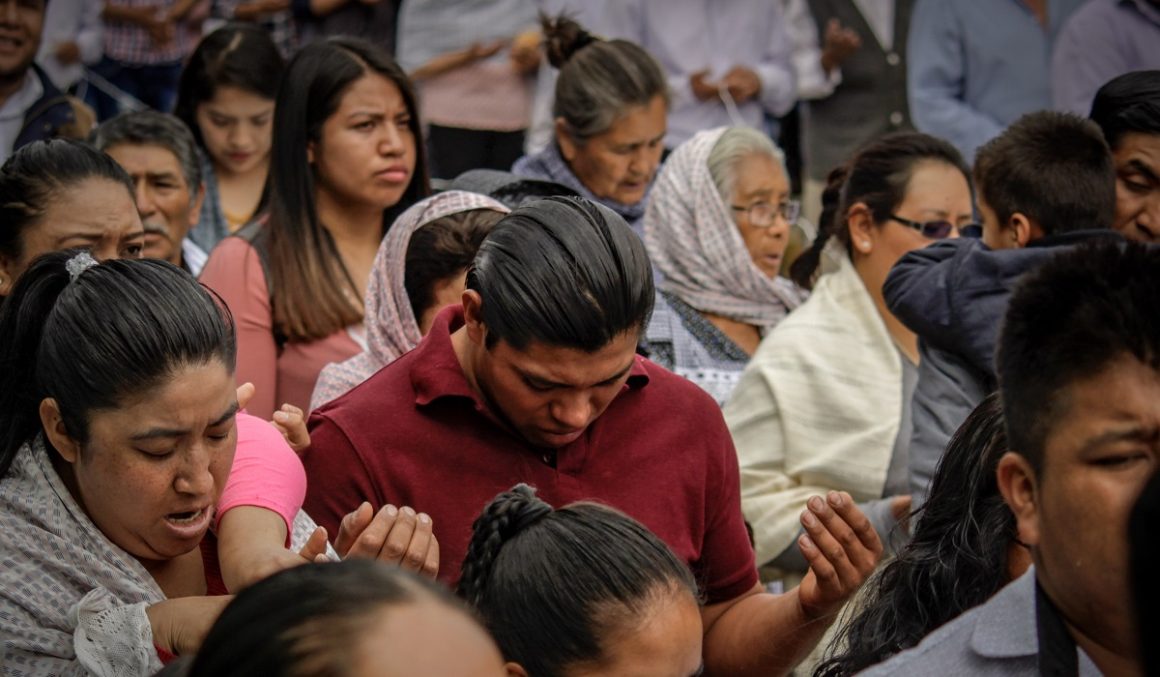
[563,37]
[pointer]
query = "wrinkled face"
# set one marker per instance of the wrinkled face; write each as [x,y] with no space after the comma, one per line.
[759,178]
[96,214]
[166,203]
[236,126]
[1103,449]
[620,163]
[425,637]
[21,23]
[551,394]
[664,642]
[153,468]
[366,153]
[1137,161]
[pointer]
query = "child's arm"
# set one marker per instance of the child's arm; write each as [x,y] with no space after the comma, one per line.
[263,494]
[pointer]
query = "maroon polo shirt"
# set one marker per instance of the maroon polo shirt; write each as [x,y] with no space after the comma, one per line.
[417,434]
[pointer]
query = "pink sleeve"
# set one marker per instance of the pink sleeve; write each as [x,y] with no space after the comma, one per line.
[266,472]
[235,273]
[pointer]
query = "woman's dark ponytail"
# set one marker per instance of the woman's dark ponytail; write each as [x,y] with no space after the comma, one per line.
[805,267]
[504,517]
[22,320]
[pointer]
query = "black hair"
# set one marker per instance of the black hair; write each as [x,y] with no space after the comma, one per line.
[314,289]
[114,332]
[1128,104]
[553,585]
[1144,550]
[36,174]
[877,176]
[441,249]
[599,79]
[564,272]
[956,559]
[236,55]
[1054,168]
[1067,321]
[304,621]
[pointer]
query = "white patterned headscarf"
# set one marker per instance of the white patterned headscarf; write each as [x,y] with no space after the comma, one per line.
[392,328]
[71,602]
[694,243]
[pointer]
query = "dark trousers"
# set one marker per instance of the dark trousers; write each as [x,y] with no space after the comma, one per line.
[454,150]
[153,85]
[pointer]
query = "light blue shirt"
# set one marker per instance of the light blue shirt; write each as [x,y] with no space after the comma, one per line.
[975,66]
[997,639]
[1104,39]
[715,35]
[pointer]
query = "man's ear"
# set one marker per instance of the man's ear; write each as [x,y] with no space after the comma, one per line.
[1023,230]
[515,670]
[863,231]
[1019,486]
[564,139]
[53,424]
[473,317]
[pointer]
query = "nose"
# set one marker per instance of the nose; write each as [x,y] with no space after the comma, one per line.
[572,412]
[195,477]
[391,141]
[239,137]
[145,205]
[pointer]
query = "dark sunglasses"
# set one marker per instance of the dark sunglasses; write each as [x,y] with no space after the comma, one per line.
[931,230]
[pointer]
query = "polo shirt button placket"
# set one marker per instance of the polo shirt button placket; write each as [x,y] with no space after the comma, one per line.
[896,118]
[893,59]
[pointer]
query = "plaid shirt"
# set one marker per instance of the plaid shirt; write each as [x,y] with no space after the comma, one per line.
[130,44]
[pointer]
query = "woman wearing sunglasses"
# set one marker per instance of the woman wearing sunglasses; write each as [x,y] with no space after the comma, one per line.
[716,229]
[825,403]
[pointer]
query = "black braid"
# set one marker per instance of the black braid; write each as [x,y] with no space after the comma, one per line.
[505,516]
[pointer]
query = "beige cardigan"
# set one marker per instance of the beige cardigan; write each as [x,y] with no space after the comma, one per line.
[817,409]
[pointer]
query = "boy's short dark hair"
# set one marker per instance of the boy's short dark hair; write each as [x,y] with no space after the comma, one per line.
[1128,104]
[1054,168]
[1066,322]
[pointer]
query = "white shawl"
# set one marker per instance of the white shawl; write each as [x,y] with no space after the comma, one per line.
[817,409]
[71,602]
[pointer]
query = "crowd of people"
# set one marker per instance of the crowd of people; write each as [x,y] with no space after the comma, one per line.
[557,338]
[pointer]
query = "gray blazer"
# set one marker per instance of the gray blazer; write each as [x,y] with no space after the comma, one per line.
[999,638]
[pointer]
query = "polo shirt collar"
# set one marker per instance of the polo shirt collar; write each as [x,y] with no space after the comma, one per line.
[436,372]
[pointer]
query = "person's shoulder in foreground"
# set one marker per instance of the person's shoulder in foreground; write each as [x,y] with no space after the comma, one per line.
[997,638]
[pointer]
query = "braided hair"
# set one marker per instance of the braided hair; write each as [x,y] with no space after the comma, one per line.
[520,552]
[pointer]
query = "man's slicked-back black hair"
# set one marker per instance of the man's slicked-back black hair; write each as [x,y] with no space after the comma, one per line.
[1069,320]
[562,271]
[1128,104]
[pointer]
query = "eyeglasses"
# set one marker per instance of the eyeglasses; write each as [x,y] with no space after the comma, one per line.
[931,230]
[762,214]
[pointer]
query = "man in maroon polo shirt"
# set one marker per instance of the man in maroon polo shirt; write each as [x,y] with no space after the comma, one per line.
[535,379]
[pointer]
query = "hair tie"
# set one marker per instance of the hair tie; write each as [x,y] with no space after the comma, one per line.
[79,264]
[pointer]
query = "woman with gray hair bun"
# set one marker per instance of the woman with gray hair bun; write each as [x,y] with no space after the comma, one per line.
[716,229]
[611,114]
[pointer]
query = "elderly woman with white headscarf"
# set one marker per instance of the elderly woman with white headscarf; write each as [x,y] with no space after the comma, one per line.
[716,229]
[420,267]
